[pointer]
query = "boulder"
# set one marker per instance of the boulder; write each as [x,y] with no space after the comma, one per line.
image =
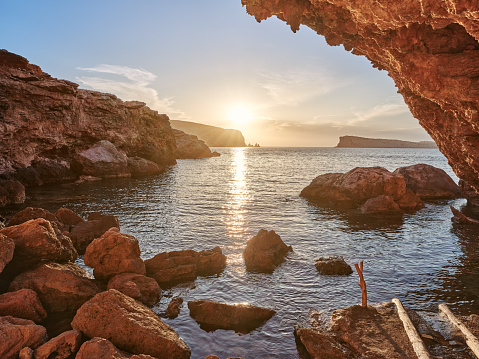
[381,205]
[140,167]
[100,348]
[26,353]
[265,251]
[83,233]
[16,334]
[7,247]
[143,289]
[61,287]
[321,345]
[114,253]
[333,265]
[60,347]
[101,160]
[352,189]
[129,325]
[189,146]
[33,213]
[11,192]
[429,182]
[460,218]
[36,240]
[173,309]
[169,268]
[23,303]
[68,217]
[239,317]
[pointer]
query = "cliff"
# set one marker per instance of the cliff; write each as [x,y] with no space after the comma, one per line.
[45,122]
[363,142]
[429,48]
[213,136]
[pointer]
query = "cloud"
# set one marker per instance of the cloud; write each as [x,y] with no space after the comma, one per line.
[294,87]
[393,107]
[137,88]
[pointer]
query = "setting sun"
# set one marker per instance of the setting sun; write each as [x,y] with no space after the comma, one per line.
[240,115]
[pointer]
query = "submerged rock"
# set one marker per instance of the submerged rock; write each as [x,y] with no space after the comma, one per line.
[137,286]
[114,253]
[173,309]
[239,317]
[169,268]
[265,251]
[429,182]
[16,334]
[129,325]
[23,303]
[333,265]
[100,348]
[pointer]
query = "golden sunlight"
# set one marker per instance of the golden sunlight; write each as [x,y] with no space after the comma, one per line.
[240,115]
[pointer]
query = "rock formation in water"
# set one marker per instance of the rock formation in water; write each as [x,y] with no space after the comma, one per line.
[363,142]
[190,146]
[429,48]
[45,122]
[213,136]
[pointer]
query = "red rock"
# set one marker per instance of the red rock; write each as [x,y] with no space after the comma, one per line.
[100,348]
[211,356]
[173,309]
[101,160]
[352,189]
[460,218]
[60,347]
[429,182]
[114,253]
[321,345]
[26,353]
[265,251]
[169,268]
[239,317]
[129,325]
[189,146]
[381,204]
[32,213]
[11,192]
[16,334]
[137,286]
[23,303]
[36,240]
[68,217]
[333,265]
[140,167]
[61,287]
[7,247]
[83,233]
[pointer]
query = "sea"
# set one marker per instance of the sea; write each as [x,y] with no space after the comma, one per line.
[422,258]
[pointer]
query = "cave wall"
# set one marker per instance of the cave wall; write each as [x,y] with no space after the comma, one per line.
[429,48]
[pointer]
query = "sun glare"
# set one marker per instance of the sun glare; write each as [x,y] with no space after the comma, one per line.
[240,115]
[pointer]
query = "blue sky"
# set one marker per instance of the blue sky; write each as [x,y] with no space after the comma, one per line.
[210,62]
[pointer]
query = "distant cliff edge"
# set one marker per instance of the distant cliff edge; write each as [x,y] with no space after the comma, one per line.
[363,142]
[213,136]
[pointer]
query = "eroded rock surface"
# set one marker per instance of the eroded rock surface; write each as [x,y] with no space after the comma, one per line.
[265,251]
[60,347]
[16,334]
[129,325]
[23,303]
[143,289]
[430,50]
[239,317]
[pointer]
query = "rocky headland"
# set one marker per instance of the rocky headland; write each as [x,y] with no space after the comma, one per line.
[213,136]
[364,142]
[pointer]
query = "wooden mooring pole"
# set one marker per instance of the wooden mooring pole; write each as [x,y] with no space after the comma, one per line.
[471,340]
[362,284]
[414,338]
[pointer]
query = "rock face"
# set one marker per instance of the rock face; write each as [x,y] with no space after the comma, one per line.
[352,189]
[61,287]
[144,289]
[114,253]
[334,265]
[7,246]
[363,142]
[429,50]
[429,182]
[16,333]
[265,251]
[129,325]
[68,120]
[36,240]
[239,317]
[189,146]
[100,348]
[211,135]
[23,303]
[169,268]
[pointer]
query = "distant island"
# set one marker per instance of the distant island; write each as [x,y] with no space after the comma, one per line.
[213,136]
[364,142]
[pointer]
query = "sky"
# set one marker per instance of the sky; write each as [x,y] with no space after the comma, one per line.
[210,62]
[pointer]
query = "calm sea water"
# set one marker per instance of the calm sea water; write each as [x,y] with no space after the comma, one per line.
[423,258]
